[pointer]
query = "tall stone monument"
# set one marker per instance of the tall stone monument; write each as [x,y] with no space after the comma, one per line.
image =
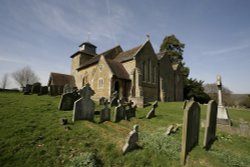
[222,115]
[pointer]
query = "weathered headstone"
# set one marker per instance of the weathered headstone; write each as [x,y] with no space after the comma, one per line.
[27,89]
[84,107]
[184,104]
[105,113]
[129,113]
[67,101]
[133,111]
[222,116]
[35,89]
[67,88]
[43,90]
[102,100]
[151,113]
[210,127]
[114,99]
[119,113]
[190,131]
[131,142]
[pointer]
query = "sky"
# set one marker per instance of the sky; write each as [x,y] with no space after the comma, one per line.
[43,34]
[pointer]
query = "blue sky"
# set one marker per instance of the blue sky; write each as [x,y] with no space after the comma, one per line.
[45,33]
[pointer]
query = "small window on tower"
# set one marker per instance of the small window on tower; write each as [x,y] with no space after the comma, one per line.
[100,83]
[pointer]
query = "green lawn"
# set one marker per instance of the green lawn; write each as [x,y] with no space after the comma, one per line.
[31,135]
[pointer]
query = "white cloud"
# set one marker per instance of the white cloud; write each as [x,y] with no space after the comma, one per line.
[226,50]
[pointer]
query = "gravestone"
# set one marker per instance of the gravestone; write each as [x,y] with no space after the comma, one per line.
[114,99]
[35,89]
[43,90]
[131,142]
[128,112]
[151,113]
[119,113]
[133,111]
[222,115]
[27,89]
[210,127]
[190,131]
[102,100]
[184,104]
[67,88]
[67,101]
[84,107]
[105,113]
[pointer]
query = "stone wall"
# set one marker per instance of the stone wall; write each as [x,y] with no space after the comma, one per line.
[147,63]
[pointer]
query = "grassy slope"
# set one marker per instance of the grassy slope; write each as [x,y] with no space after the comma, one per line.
[31,135]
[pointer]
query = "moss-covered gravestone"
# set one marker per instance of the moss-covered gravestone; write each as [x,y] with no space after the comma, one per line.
[190,131]
[105,113]
[67,101]
[84,108]
[119,113]
[210,127]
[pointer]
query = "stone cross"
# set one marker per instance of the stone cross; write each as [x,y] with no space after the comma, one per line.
[131,142]
[219,85]
[222,116]
[190,130]
[84,107]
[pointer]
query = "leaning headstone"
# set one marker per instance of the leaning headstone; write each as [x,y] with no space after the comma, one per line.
[119,113]
[190,130]
[35,89]
[169,129]
[222,116]
[84,108]
[131,142]
[151,113]
[105,113]
[102,100]
[67,101]
[114,99]
[210,127]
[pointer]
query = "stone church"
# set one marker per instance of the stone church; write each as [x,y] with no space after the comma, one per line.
[138,74]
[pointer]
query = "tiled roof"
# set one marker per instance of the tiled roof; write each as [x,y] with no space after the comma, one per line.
[118,70]
[127,55]
[61,79]
[81,52]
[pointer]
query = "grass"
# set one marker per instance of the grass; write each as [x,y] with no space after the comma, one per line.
[31,135]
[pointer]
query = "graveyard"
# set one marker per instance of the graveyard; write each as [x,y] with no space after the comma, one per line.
[32,134]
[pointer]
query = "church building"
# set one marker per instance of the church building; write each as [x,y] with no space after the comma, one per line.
[138,74]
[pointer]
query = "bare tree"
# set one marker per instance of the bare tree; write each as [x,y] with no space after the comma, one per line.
[5,81]
[25,76]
